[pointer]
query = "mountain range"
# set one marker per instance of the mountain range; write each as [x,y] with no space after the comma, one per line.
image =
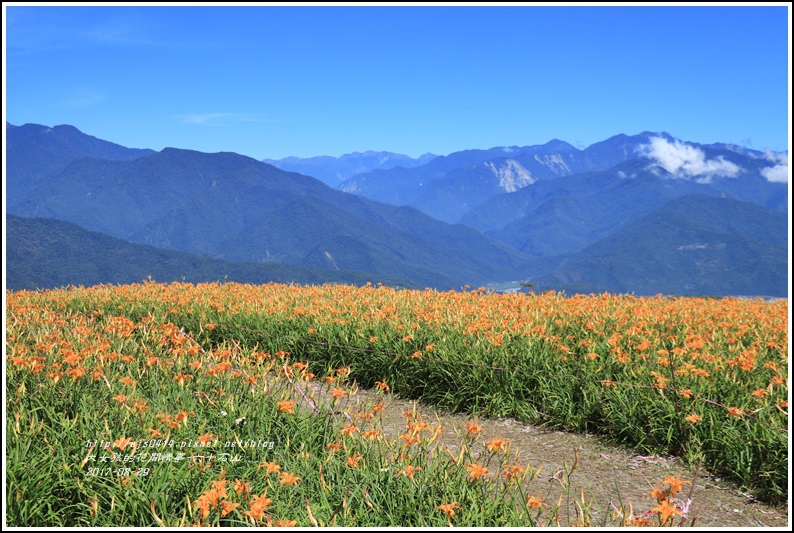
[616,216]
[53,253]
[452,188]
[233,207]
[334,170]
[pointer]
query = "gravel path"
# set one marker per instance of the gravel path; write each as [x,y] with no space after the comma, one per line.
[603,468]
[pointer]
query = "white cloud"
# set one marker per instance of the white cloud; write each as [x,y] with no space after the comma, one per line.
[34,29]
[84,98]
[779,172]
[126,31]
[685,161]
[217,119]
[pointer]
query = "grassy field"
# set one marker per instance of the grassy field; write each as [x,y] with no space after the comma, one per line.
[223,404]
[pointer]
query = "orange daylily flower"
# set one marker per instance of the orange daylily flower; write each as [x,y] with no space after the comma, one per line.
[206,438]
[126,380]
[658,493]
[370,434]
[353,461]
[416,427]
[693,418]
[338,392]
[241,487]
[77,373]
[300,366]
[286,406]
[182,378]
[665,511]
[409,439]
[140,406]
[182,417]
[219,487]
[476,471]
[260,501]
[227,507]
[409,470]
[289,479]
[737,412]
[533,502]
[203,505]
[494,445]
[348,430]
[676,484]
[448,508]
[270,466]
[207,501]
[512,471]
[259,505]
[472,428]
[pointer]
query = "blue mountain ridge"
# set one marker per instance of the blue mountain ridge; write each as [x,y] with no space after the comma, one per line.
[469,218]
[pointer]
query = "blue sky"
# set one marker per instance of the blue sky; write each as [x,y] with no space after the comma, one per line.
[268,81]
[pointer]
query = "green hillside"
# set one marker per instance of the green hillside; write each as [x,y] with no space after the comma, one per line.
[46,253]
[696,245]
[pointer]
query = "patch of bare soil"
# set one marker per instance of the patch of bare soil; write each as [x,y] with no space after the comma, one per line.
[604,472]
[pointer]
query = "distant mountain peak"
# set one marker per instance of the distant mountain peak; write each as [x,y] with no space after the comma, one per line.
[334,170]
[662,134]
[69,128]
[558,145]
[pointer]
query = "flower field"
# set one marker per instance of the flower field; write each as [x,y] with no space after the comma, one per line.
[225,404]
